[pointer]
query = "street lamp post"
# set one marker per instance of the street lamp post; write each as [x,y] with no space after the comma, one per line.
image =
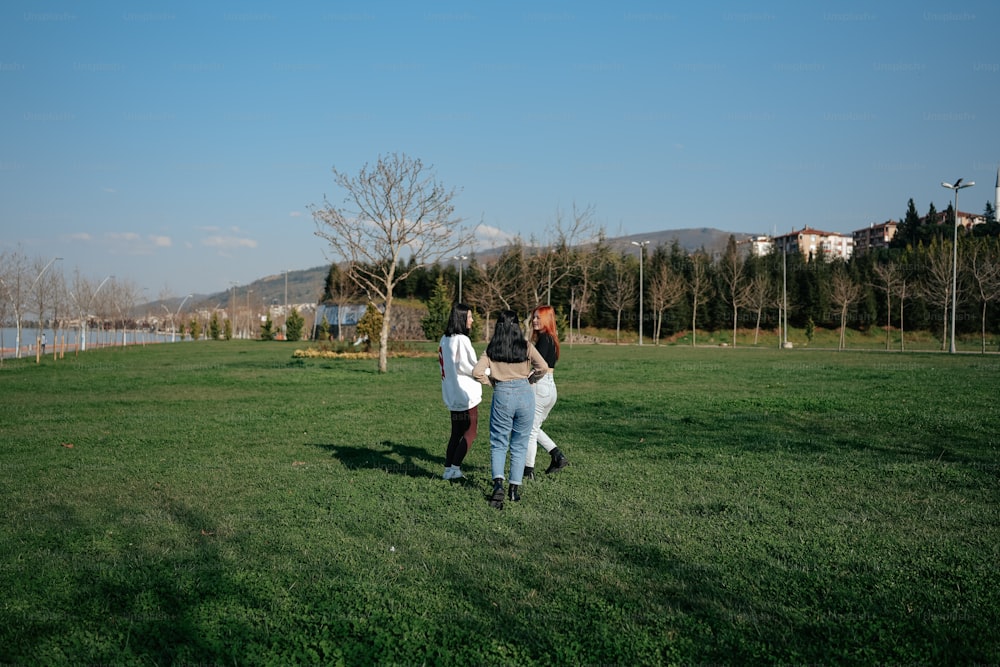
[173,321]
[784,293]
[461,265]
[641,245]
[958,185]
[85,316]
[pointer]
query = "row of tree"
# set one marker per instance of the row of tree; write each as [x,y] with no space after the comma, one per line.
[593,285]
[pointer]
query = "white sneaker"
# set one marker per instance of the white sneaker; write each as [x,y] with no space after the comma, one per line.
[448,472]
[456,473]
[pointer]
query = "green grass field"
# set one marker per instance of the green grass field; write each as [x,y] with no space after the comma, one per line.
[225,503]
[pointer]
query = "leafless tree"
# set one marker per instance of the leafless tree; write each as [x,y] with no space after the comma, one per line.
[559,258]
[621,293]
[124,294]
[984,274]
[737,289]
[666,290]
[843,292]
[44,290]
[589,261]
[936,285]
[391,209]
[891,277]
[494,283]
[6,298]
[760,294]
[700,286]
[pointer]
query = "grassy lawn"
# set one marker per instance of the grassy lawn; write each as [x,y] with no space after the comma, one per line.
[224,503]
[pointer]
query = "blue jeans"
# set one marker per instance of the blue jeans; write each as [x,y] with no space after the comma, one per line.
[511,416]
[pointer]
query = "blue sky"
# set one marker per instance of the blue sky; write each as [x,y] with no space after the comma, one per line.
[180,144]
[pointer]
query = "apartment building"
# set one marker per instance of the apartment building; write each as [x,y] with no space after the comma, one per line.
[874,236]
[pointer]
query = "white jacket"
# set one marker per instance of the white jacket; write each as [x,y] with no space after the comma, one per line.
[457,358]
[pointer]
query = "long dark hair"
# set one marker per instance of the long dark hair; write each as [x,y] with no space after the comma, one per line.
[508,343]
[458,321]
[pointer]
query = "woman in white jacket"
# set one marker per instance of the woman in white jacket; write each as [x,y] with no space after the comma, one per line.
[462,394]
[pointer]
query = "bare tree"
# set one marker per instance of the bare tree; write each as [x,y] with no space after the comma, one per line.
[666,290]
[6,299]
[760,294]
[843,292]
[936,285]
[700,286]
[392,208]
[984,274]
[588,264]
[493,285]
[557,260]
[44,290]
[738,291]
[621,293]
[124,294]
[891,278]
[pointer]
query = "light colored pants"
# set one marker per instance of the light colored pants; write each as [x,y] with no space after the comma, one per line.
[545,398]
[511,416]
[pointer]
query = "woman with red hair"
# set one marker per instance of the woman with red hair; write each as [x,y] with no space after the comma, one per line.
[545,338]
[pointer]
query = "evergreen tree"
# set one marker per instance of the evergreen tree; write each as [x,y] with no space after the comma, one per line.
[438,311]
[370,326]
[214,329]
[267,329]
[227,329]
[293,325]
[908,231]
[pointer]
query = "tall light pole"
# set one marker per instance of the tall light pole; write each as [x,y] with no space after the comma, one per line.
[784,293]
[461,265]
[641,245]
[956,186]
[284,310]
[85,316]
[249,316]
[173,322]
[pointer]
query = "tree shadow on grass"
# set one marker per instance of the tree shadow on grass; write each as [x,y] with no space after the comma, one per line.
[392,457]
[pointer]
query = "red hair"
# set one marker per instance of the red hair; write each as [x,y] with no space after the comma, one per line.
[546,323]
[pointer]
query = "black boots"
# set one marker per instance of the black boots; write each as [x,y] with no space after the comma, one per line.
[496,499]
[559,461]
[529,472]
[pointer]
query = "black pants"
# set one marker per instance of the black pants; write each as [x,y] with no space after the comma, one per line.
[463,431]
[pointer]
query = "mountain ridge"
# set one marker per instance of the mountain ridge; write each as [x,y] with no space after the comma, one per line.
[306,285]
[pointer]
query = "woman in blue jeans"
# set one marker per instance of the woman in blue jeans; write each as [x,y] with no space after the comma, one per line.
[511,365]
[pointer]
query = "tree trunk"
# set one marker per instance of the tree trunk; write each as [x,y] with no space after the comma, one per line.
[383,339]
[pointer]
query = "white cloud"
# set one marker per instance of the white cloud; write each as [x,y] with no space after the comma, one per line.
[488,236]
[79,236]
[161,241]
[295,214]
[123,236]
[228,242]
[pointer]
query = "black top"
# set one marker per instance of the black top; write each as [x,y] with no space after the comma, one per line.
[547,348]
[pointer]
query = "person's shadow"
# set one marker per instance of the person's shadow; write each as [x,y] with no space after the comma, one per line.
[392,457]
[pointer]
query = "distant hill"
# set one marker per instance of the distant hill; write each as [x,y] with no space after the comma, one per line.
[306,285]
